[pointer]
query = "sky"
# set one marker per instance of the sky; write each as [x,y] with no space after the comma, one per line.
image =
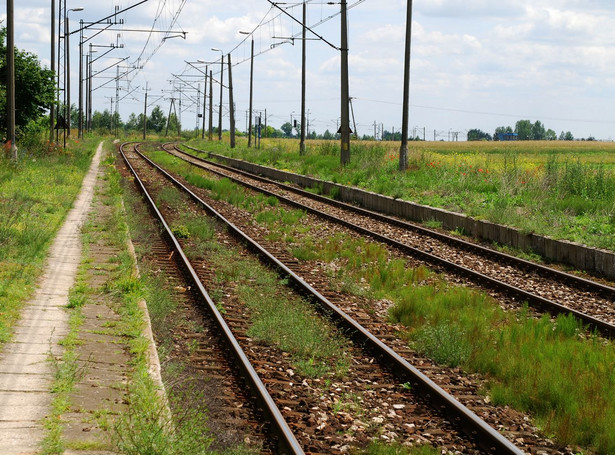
[475,63]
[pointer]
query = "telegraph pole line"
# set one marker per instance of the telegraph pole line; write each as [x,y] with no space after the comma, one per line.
[345,127]
[403,150]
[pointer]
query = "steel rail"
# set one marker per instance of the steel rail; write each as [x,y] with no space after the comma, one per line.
[286,438]
[605,328]
[486,436]
[606,291]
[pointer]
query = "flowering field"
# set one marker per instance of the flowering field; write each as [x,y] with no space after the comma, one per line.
[562,189]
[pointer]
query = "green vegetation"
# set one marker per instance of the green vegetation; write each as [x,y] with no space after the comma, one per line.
[36,193]
[562,189]
[34,89]
[150,425]
[457,326]
[279,318]
[569,394]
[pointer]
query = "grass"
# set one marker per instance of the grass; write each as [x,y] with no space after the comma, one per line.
[569,394]
[36,193]
[560,189]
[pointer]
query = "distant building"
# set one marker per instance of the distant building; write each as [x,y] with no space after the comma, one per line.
[508,137]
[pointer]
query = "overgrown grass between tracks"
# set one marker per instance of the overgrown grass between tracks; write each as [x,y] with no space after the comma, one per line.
[278,316]
[559,189]
[555,370]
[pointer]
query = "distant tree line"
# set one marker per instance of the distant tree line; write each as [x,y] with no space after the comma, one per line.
[525,130]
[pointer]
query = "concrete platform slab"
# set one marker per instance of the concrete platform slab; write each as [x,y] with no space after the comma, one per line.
[27,364]
[20,382]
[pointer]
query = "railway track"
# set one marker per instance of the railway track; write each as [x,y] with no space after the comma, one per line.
[542,287]
[368,377]
[214,350]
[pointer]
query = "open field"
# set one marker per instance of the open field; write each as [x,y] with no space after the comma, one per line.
[565,190]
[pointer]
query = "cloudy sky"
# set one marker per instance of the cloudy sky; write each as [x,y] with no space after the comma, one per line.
[475,63]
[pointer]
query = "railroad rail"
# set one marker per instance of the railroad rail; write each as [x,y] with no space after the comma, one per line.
[287,441]
[487,437]
[599,296]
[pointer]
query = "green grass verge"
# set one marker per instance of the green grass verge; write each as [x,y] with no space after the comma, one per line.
[36,193]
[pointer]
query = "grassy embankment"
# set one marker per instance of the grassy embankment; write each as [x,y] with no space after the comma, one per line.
[554,370]
[36,193]
[564,190]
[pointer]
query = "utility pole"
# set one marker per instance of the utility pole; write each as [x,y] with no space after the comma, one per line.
[10,62]
[67,76]
[204,102]
[211,105]
[80,133]
[52,108]
[345,127]
[251,94]
[221,90]
[403,150]
[303,69]
[145,111]
[230,102]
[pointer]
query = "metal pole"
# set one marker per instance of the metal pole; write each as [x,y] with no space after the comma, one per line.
[52,108]
[61,16]
[211,105]
[145,112]
[230,101]
[345,127]
[204,103]
[80,134]
[67,74]
[10,61]
[303,70]
[66,118]
[89,113]
[251,94]
[221,90]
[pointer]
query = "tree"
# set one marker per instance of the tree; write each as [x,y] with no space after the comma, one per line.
[156,120]
[568,136]
[101,120]
[287,129]
[550,135]
[478,135]
[328,135]
[133,123]
[538,131]
[174,126]
[34,87]
[523,128]
[501,130]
